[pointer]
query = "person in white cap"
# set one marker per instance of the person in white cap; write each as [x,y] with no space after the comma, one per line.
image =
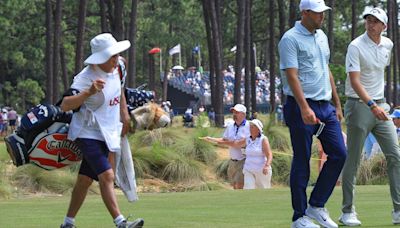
[366,111]
[234,136]
[257,168]
[99,108]
[310,87]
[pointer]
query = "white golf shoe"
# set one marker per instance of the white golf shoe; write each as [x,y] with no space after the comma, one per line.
[304,222]
[321,215]
[349,219]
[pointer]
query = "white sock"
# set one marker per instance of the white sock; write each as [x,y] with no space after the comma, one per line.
[69,220]
[119,219]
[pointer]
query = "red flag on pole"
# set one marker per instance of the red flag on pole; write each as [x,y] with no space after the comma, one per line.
[154,51]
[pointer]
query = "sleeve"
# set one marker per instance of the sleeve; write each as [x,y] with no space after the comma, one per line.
[81,83]
[226,135]
[288,53]
[390,52]
[352,59]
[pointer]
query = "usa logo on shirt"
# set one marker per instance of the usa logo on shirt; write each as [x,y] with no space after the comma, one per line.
[114,101]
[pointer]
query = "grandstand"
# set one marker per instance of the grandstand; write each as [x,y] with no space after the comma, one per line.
[191,89]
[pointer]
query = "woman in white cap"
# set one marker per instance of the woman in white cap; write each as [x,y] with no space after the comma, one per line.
[99,108]
[257,168]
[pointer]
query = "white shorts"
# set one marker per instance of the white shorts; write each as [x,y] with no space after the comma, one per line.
[256,179]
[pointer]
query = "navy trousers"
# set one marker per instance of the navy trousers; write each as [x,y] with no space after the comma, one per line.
[302,136]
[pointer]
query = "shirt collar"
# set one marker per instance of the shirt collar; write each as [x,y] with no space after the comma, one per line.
[302,29]
[101,73]
[241,124]
[370,42]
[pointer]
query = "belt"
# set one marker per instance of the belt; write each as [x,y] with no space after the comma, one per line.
[383,100]
[311,100]
[235,160]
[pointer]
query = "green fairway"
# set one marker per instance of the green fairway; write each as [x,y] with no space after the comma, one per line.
[251,208]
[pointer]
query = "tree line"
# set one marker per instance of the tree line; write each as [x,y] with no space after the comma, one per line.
[45,42]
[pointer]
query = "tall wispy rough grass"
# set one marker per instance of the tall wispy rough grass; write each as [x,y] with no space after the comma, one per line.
[5,186]
[221,169]
[165,137]
[372,171]
[181,170]
[36,179]
[279,138]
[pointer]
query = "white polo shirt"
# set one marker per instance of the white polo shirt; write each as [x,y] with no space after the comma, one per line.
[255,157]
[370,59]
[234,132]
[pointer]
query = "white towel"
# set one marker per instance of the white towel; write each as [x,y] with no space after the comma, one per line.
[125,172]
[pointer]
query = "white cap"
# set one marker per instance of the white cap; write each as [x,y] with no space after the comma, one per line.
[104,46]
[258,124]
[378,13]
[239,108]
[317,6]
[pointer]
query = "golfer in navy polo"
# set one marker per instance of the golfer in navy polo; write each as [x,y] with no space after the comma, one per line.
[309,86]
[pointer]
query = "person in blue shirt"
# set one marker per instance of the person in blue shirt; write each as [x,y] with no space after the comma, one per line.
[309,86]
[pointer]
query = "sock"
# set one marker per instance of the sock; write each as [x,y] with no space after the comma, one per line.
[119,219]
[69,220]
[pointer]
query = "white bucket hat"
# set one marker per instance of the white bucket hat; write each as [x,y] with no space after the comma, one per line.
[239,108]
[317,6]
[378,13]
[104,46]
[258,124]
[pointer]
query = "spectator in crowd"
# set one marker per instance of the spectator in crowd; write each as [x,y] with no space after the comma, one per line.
[396,119]
[2,126]
[366,111]
[254,115]
[211,116]
[12,117]
[5,120]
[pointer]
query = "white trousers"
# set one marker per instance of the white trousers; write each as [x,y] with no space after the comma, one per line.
[256,179]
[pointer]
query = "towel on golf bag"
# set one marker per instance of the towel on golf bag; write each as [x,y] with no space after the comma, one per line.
[125,172]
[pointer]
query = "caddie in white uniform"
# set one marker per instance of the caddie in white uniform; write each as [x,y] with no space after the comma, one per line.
[100,117]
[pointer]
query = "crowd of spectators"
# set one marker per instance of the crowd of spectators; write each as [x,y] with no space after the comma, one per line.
[198,84]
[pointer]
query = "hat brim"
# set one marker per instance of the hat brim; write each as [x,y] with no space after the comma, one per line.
[321,9]
[102,56]
[236,110]
[367,14]
[258,127]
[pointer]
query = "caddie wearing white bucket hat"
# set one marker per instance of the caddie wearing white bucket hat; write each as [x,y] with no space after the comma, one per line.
[99,103]
[104,46]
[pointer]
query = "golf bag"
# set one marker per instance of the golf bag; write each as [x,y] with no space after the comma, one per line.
[41,139]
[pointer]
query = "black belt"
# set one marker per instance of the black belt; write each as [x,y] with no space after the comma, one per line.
[235,160]
[383,100]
